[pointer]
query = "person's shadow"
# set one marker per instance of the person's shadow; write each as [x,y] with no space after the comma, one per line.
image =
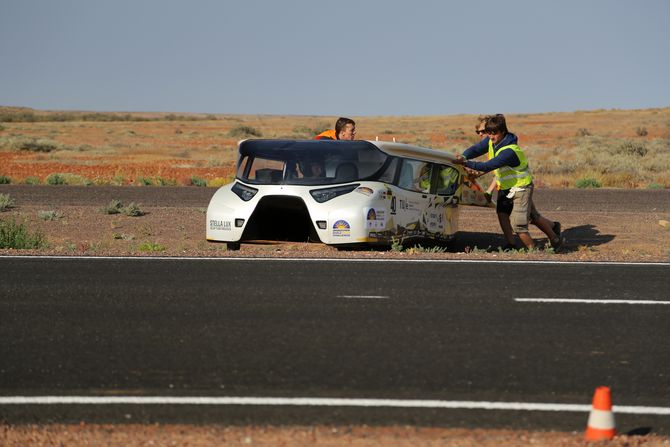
[575,237]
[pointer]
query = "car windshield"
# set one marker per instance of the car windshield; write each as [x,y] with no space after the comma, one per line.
[308,162]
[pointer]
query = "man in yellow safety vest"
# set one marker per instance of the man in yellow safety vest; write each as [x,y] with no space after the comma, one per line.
[515,184]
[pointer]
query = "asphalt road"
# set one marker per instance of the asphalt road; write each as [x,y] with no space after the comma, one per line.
[590,200]
[403,330]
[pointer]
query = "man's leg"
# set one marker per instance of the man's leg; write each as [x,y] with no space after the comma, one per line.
[527,240]
[506,227]
[521,215]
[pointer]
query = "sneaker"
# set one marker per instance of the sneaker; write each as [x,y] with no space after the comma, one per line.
[557,243]
[557,229]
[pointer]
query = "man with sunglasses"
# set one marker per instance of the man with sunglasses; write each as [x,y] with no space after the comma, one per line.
[515,206]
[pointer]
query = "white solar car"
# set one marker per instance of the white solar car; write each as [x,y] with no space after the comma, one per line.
[340,193]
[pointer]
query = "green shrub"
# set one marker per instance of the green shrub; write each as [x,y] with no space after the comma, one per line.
[244,132]
[151,247]
[634,149]
[38,145]
[114,207]
[5,180]
[132,210]
[197,181]
[49,215]
[160,181]
[55,179]
[17,236]
[32,180]
[6,202]
[587,183]
[655,186]
[67,179]
[145,181]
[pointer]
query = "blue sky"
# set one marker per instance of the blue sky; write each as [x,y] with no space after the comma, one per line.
[352,58]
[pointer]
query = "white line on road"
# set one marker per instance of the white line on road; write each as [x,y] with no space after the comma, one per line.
[318,402]
[370,297]
[587,301]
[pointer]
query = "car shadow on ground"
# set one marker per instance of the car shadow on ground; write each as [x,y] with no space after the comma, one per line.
[575,237]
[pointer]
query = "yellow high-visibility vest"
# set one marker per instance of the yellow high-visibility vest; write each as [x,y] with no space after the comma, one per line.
[508,177]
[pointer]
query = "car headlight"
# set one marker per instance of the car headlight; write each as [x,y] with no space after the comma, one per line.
[245,193]
[325,194]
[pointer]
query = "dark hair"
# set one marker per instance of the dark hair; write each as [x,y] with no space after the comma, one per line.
[496,124]
[482,119]
[339,125]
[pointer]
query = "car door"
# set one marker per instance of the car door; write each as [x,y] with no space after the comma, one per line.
[412,198]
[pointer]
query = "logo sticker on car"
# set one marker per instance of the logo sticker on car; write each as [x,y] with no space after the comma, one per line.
[341,228]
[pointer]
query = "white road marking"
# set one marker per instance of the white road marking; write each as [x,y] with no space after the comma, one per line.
[355,260]
[318,402]
[588,301]
[369,297]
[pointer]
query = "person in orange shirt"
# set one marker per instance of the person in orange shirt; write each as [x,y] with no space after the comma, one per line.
[345,129]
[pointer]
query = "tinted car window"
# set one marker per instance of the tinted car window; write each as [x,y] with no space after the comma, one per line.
[308,162]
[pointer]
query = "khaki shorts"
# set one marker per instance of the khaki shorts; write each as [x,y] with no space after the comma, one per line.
[520,208]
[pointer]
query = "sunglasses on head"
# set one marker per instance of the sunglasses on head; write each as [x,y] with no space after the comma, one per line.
[480,131]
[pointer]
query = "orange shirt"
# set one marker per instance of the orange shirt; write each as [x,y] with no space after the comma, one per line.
[326,135]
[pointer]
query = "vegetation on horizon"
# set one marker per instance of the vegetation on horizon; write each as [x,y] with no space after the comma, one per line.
[614,148]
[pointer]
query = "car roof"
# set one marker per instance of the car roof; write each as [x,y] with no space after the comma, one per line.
[389,147]
[416,152]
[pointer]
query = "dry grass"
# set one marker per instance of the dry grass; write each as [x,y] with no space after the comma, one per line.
[619,148]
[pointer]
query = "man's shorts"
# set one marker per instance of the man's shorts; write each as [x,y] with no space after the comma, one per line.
[519,207]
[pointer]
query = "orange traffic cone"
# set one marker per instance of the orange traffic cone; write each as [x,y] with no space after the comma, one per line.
[601,420]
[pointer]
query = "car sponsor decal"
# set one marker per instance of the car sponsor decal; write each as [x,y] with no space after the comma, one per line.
[224,225]
[341,228]
[365,190]
[375,219]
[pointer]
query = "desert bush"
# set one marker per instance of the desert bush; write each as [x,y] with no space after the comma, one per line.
[133,210]
[30,117]
[631,148]
[244,132]
[49,215]
[6,202]
[219,181]
[17,236]
[587,183]
[145,181]
[162,181]
[654,185]
[32,180]
[641,132]
[583,132]
[55,179]
[197,181]
[116,207]
[37,145]
[151,247]
[5,180]
[76,179]
[118,180]
[113,207]
[67,179]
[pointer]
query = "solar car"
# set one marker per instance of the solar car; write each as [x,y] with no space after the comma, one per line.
[340,193]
